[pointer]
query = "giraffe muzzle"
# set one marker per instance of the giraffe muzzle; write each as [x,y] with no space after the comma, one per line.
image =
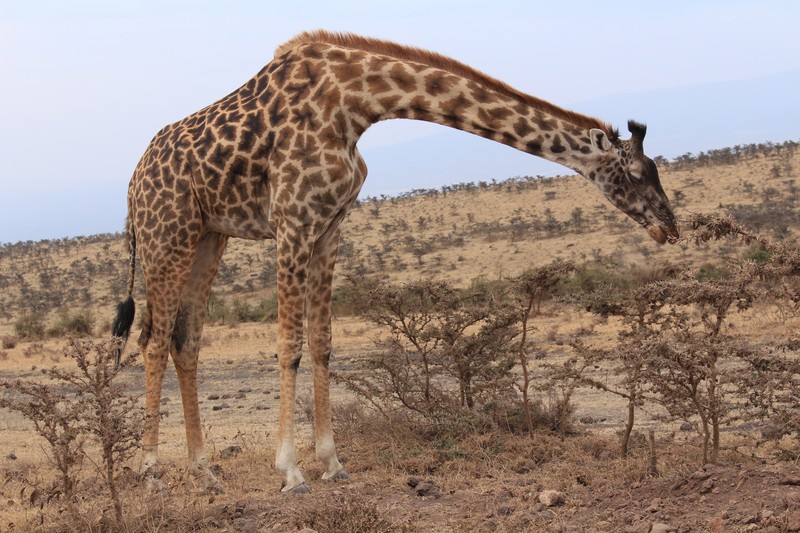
[662,235]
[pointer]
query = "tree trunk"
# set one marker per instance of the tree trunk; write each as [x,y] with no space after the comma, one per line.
[714,409]
[523,361]
[427,391]
[652,467]
[706,436]
[626,436]
[112,485]
[714,439]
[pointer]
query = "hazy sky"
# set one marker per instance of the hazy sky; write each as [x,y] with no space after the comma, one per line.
[86,84]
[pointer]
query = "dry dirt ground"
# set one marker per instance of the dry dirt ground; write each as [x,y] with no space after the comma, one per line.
[404,478]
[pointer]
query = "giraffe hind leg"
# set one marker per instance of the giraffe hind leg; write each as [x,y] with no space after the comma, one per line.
[149,443]
[165,277]
[185,347]
[155,349]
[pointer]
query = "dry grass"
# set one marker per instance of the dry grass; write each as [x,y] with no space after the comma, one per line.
[487,482]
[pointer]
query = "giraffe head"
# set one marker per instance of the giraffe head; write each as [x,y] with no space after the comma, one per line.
[629,179]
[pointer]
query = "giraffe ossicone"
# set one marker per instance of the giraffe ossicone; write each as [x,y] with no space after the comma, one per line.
[277,158]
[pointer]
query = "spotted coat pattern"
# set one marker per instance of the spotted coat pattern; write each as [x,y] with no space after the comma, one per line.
[277,159]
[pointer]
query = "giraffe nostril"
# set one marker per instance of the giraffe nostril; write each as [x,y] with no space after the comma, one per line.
[657,234]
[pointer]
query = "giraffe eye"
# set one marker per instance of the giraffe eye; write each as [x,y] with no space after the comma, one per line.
[636,172]
[634,176]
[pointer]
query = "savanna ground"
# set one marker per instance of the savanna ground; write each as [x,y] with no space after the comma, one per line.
[407,474]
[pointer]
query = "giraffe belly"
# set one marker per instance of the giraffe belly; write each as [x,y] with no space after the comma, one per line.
[248,219]
[245,221]
[234,204]
[244,230]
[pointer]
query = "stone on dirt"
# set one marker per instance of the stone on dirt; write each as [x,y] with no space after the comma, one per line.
[790,475]
[716,525]
[793,521]
[424,487]
[231,451]
[663,528]
[551,498]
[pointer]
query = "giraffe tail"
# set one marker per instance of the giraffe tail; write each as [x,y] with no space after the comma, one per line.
[121,327]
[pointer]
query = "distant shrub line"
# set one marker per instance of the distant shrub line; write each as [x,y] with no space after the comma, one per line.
[35,279]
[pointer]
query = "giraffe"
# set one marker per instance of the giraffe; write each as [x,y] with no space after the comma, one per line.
[277,159]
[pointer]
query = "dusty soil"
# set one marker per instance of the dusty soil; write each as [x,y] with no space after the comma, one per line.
[715,498]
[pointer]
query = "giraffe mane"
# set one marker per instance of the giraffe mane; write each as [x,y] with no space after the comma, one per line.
[419,55]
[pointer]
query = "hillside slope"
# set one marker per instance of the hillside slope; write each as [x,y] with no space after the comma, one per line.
[459,232]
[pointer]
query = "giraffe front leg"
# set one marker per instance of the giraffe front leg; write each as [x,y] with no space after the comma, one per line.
[323,419]
[319,341]
[289,353]
[293,257]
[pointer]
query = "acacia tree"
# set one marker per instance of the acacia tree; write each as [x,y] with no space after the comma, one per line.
[527,291]
[694,362]
[447,349]
[626,363]
[769,382]
[766,380]
[675,350]
[674,356]
[641,304]
[685,375]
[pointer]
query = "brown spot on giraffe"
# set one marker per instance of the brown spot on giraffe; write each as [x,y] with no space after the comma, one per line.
[277,158]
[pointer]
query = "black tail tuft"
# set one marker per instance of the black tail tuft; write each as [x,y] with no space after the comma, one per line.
[121,327]
[124,320]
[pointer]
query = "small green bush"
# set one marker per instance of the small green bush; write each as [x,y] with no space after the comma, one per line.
[268,308]
[353,297]
[9,342]
[265,310]
[244,311]
[757,255]
[30,326]
[612,279]
[80,323]
[709,272]
[217,309]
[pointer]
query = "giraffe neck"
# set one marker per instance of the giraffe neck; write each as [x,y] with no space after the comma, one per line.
[375,87]
[469,107]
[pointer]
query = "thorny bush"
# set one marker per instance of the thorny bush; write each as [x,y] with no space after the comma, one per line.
[73,408]
[447,350]
[677,350]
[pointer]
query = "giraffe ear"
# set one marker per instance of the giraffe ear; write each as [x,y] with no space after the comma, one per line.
[599,140]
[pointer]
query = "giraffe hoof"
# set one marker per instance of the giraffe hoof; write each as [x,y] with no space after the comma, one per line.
[299,489]
[209,482]
[155,487]
[341,475]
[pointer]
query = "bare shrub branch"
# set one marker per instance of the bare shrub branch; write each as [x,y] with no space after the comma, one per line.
[82,405]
